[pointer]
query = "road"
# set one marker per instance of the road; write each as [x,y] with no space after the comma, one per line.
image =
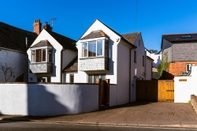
[35,126]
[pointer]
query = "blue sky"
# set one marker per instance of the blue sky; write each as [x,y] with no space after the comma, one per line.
[73,17]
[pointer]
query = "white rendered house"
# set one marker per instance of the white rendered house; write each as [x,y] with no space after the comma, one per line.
[105,54]
[48,55]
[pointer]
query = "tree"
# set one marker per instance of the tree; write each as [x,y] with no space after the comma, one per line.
[8,71]
[164,65]
[153,51]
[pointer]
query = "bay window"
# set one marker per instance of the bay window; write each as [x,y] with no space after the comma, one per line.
[41,55]
[94,48]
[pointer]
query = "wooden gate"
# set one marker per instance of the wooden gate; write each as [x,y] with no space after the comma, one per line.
[104,93]
[161,90]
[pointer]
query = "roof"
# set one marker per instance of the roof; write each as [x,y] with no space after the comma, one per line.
[131,37]
[117,34]
[180,37]
[15,38]
[95,34]
[66,42]
[72,66]
[42,43]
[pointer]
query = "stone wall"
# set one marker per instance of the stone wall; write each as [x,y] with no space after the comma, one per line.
[194,102]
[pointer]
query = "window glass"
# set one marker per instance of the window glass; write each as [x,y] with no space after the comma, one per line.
[38,55]
[44,55]
[92,48]
[106,50]
[93,78]
[135,56]
[99,48]
[50,55]
[33,57]
[84,50]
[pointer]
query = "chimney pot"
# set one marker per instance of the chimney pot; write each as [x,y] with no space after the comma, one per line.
[47,27]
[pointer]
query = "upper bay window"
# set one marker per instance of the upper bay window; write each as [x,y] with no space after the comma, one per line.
[41,52]
[94,48]
[41,55]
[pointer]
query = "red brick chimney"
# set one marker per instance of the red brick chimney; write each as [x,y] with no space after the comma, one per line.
[37,26]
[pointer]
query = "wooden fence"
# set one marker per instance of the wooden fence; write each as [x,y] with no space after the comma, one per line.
[155,90]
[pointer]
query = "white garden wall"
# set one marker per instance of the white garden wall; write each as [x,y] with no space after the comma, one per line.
[185,86]
[47,99]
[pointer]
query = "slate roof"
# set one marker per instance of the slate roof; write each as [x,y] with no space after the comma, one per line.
[180,37]
[15,38]
[72,66]
[66,42]
[95,34]
[42,43]
[131,37]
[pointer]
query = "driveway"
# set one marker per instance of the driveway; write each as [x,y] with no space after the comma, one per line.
[160,113]
[140,114]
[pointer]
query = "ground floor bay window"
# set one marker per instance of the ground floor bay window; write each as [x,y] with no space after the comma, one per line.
[93,78]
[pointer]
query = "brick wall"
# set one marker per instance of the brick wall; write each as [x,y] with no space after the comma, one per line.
[176,67]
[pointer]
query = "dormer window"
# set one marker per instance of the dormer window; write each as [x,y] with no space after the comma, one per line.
[186,36]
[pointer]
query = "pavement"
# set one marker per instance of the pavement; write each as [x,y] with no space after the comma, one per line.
[158,114]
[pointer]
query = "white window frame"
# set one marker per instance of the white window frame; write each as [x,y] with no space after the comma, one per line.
[96,41]
[47,49]
[189,67]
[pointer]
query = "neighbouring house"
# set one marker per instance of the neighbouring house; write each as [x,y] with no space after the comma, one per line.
[180,51]
[14,43]
[105,54]
[49,54]
[157,57]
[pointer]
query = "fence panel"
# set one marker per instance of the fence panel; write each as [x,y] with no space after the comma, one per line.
[162,90]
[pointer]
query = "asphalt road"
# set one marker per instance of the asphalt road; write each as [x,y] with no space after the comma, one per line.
[35,126]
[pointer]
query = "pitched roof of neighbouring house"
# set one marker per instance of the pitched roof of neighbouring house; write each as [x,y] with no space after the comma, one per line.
[180,37]
[95,34]
[72,66]
[66,42]
[15,38]
[131,37]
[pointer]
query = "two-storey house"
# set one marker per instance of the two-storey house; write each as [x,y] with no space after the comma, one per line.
[49,54]
[103,53]
[180,51]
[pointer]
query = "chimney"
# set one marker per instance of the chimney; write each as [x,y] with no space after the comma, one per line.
[37,26]
[47,27]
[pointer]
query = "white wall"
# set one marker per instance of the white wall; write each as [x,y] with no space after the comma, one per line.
[182,89]
[47,99]
[16,60]
[148,69]
[68,56]
[123,74]
[185,86]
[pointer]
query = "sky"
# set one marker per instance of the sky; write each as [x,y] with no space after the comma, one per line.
[71,18]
